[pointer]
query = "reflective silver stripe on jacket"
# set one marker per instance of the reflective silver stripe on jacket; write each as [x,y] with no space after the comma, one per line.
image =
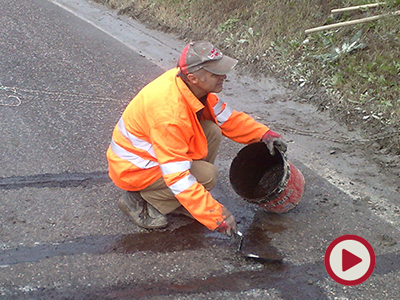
[131,157]
[222,115]
[174,167]
[183,184]
[166,169]
[135,141]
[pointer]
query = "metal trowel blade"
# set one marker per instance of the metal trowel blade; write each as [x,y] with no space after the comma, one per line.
[252,256]
[263,259]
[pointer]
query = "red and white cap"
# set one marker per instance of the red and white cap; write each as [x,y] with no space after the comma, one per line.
[203,55]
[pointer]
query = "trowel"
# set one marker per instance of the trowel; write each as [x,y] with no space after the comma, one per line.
[261,258]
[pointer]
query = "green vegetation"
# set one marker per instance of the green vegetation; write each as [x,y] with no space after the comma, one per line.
[357,66]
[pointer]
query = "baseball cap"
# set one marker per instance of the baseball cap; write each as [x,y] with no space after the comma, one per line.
[203,55]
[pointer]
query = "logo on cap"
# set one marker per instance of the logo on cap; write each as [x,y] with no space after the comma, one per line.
[214,53]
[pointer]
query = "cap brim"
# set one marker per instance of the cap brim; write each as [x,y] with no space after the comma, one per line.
[220,67]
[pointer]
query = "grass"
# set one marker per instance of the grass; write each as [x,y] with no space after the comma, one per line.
[357,67]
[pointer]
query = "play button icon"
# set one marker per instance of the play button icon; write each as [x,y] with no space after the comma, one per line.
[349,260]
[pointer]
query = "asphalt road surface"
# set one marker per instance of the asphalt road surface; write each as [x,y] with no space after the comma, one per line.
[68,69]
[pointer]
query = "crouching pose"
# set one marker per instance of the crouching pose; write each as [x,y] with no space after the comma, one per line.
[164,146]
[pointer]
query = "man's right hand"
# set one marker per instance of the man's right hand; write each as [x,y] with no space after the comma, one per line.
[228,226]
[273,139]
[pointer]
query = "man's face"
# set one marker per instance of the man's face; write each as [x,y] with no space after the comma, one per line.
[209,82]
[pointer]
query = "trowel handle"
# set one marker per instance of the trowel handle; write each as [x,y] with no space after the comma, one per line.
[240,236]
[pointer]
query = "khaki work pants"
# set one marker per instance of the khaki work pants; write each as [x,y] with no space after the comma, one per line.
[161,197]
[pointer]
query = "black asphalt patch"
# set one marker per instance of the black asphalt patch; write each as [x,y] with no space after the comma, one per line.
[54,180]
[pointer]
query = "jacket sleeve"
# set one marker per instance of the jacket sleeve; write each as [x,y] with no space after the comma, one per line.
[235,125]
[170,143]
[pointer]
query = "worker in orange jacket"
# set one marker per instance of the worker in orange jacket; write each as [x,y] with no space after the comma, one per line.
[164,146]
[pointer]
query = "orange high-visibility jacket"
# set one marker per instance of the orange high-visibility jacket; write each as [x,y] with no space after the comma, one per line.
[159,135]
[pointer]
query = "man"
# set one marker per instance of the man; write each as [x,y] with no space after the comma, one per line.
[164,146]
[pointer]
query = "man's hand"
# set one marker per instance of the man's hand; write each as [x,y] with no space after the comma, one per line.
[273,139]
[228,226]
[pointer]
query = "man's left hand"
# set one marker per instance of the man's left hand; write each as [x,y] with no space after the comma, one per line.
[273,139]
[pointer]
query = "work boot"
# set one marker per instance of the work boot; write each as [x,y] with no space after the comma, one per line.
[141,213]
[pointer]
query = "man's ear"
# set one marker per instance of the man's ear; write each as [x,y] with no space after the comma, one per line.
[192,78]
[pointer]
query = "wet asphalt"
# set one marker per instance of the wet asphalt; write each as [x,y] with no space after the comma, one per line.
[63,85]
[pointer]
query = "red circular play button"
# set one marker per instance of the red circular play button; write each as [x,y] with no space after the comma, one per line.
[350,260]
